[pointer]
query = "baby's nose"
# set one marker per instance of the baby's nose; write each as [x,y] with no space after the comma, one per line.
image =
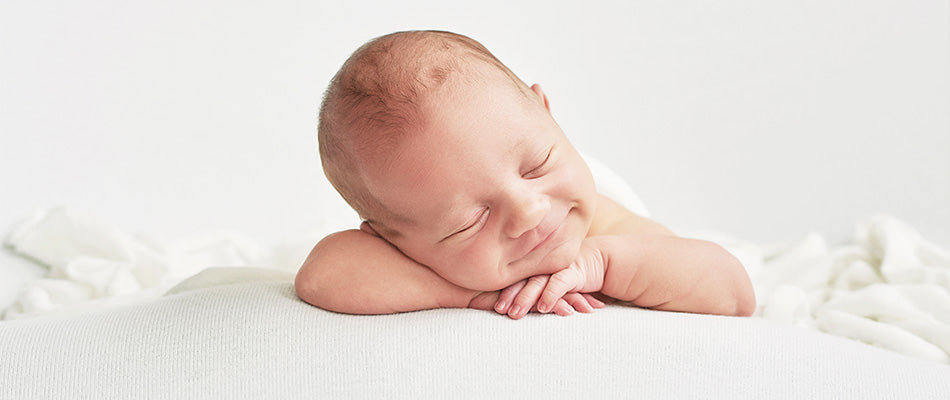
[526,214]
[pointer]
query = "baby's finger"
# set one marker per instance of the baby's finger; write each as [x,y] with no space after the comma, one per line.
[507,296]
[579,302]
[567,280]
[562,308]
[528,296]
[483,301]
[593,301]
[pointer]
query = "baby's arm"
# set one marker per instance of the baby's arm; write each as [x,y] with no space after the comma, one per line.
[658,271]
[357,272]
[640,261]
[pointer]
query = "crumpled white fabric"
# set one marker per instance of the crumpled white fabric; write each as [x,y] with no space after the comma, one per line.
[888,287]
[92,263]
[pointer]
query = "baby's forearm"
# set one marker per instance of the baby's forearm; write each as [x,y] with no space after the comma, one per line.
[354,272]
[676,274]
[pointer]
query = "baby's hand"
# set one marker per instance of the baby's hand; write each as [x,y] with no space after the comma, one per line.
[522,297]
[584,275]
[564,292]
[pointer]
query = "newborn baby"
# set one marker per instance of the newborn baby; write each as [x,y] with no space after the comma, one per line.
[472,196]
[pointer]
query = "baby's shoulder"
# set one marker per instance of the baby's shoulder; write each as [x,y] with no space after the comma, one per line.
[611,218]
[607,214]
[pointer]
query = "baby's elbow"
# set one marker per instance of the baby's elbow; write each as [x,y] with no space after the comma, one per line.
[745,298]
[745,304]
[742,293]
[307,281]
[314,282]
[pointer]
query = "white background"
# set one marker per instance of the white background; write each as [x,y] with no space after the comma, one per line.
[766,120]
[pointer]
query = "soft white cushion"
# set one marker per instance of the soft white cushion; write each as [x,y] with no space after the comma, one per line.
[257,340]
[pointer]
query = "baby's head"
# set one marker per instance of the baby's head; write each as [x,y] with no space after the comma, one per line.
[450,157]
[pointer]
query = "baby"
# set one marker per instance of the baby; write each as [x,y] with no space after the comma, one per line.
[472,196]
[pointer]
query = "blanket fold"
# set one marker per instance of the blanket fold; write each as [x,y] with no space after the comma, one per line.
[889,287]
[92,263]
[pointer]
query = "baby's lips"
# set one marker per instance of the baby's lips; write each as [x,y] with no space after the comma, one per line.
[545,235]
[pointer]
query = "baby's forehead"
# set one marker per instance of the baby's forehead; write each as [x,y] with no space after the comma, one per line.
[408,199]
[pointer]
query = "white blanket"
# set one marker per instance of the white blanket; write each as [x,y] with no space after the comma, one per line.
[92,263]
[889,287]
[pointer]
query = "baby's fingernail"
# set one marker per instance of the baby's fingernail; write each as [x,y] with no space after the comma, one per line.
[565,312]
[515,311]
[542,308]
[501,306]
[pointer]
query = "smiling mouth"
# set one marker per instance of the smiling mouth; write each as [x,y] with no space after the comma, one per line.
[545,240]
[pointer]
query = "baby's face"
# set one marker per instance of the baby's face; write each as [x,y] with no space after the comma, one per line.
[489,192]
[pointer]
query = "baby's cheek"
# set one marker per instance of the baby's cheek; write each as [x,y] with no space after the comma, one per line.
[482,263]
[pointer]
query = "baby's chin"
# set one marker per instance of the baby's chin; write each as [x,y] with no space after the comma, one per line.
[560,257]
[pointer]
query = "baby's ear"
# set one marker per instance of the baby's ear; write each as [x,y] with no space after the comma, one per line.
[544,98]
[364,226]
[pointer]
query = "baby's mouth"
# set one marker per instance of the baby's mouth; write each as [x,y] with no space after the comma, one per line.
[546,239]
[547,233]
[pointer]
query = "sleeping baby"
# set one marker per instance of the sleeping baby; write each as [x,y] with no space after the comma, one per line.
[472,196]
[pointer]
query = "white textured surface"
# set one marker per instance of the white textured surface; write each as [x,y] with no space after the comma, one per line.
[258,340]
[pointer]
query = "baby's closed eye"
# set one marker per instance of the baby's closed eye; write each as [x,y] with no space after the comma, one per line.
[541,167]
[472,225]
